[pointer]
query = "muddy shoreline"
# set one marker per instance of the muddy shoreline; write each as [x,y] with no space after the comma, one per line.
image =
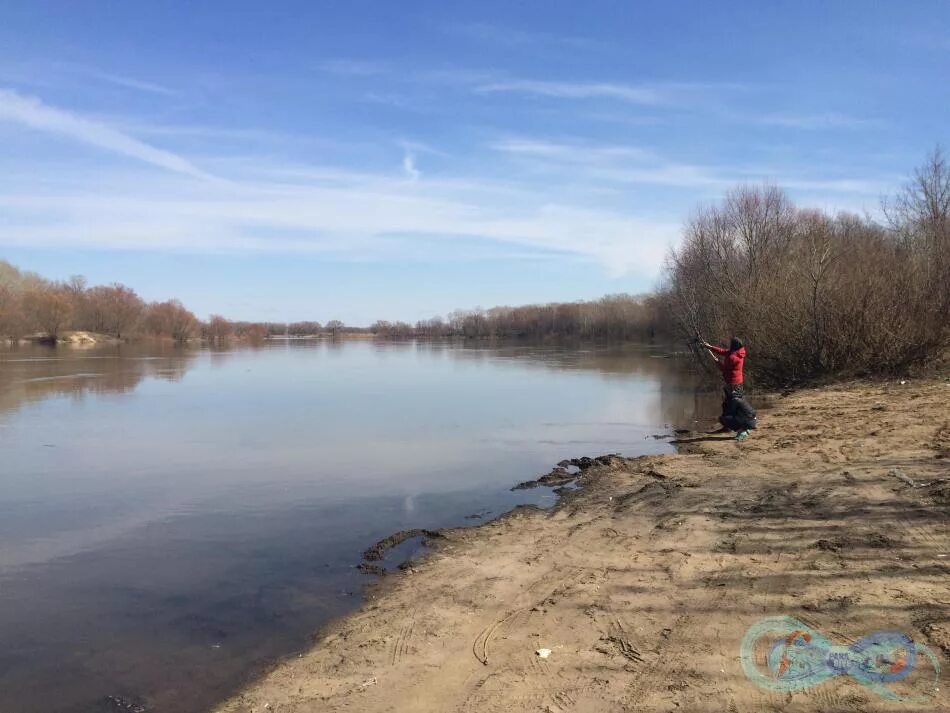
[658,564]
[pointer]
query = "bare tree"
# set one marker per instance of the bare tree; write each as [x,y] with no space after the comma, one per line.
[114,309]
[304,329]
[49,308]
[171,319]
[12,322]
[920,213]
[218,329]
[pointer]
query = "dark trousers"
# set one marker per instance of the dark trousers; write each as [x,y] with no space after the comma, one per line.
[730,391]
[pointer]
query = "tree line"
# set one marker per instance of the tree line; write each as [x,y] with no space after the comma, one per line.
[614,317]
[34,307]
[31,305]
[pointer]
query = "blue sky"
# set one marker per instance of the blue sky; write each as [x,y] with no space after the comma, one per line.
[363,160]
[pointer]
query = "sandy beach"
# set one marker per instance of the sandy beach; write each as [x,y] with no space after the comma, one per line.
[639,588]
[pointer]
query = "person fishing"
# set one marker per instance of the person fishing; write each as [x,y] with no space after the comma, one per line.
[737,415]
[730,362]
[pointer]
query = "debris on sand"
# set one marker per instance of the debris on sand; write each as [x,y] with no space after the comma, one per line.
[370,568]
[560,475]
[874,541]
[375,553]
[118,704]
[939,634]
[897,473]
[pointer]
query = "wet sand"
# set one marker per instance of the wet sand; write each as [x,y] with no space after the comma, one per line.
[643,583]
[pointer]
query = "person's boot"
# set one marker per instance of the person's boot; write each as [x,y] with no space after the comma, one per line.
[742,435]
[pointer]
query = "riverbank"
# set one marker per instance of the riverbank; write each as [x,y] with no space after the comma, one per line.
[643,583]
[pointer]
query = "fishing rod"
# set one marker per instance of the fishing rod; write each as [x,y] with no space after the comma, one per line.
[697,342]
[700,342]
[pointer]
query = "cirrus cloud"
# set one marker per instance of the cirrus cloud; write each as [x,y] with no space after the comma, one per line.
[32,113]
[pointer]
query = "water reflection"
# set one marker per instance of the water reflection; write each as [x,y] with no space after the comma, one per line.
[34,373]
[171,519]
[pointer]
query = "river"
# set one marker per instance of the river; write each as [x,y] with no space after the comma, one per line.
[173,519]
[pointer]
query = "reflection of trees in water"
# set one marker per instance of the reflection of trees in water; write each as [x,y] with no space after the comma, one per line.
[222,351]
[684,393]
[633,359]
[30,374]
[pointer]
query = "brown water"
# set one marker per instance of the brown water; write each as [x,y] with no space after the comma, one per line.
[173,519]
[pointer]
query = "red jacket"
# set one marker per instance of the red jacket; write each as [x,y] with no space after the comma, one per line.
[730,364]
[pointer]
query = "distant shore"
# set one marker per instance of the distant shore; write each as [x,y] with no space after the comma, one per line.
[635,591]
[85,338]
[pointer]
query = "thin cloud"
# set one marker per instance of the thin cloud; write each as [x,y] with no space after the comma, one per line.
[511,37]
[129,82]
[373,218]
[869,187]
[619,164]
[422,147]
[209,131]
[612,163]
[829,120]
[48,74]
[654,94]
[34,114]
[579,90]
[456,76]
[353,67]
[570,152]
[409,166]
[390,99]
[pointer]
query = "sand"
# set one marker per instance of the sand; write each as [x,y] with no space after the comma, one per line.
[643,583]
